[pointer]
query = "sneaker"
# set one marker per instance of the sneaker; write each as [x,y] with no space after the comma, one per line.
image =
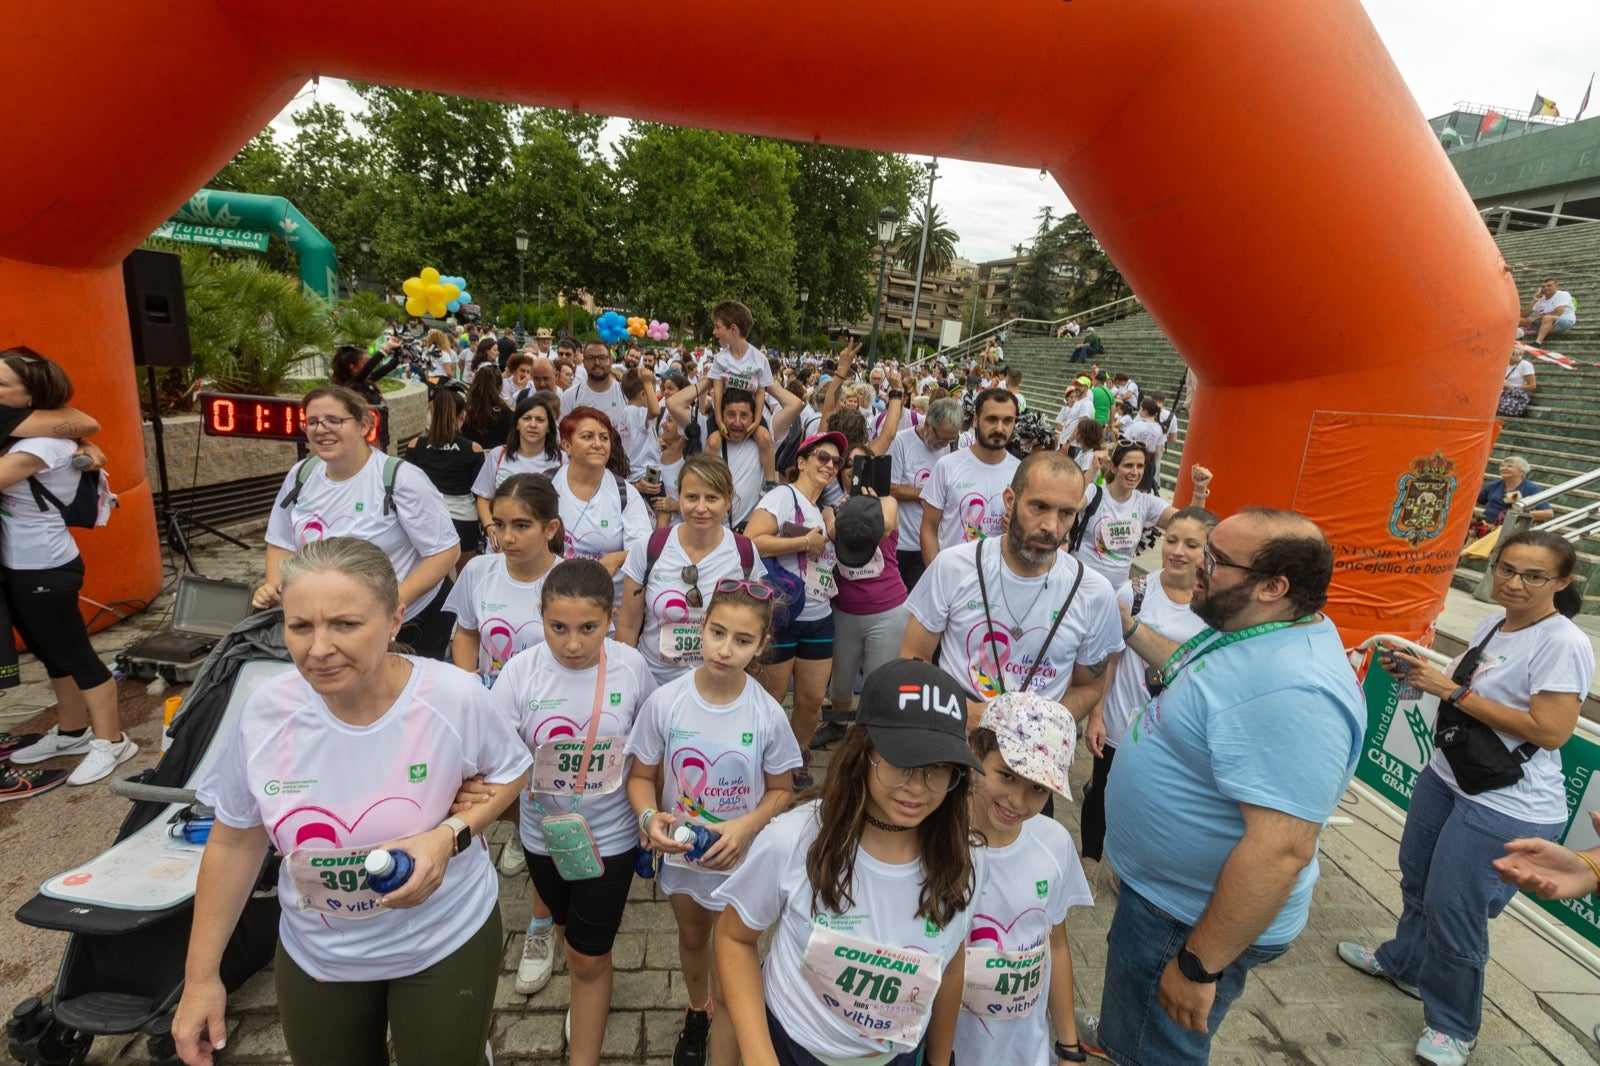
[1088,1032]
[20,784]
[10,742]
[826,734]
[538,961]
[104,756]
[512,858]
[1366,960]
[691,1049]
[1442,1050]
[50,745]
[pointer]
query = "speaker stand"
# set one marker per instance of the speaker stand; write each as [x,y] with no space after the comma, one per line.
[168,518]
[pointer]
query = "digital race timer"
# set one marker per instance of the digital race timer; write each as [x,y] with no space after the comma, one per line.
[268,418]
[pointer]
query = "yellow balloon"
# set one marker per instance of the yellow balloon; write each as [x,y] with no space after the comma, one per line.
[436,309]
[451,292]
[433,293]
[412,287]
[415,305]
[430,276]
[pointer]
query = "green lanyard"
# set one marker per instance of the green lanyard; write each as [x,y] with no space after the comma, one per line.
[1181,657]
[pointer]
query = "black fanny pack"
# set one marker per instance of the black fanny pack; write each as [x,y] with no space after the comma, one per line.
[1476,754]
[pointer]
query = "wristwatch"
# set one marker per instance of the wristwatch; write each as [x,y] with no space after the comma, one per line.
[895,394]
[462,834]
[1191,967]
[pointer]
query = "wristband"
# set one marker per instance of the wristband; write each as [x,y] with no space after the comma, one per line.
[1071,1052]
[1592,867]
[1461,693]
[1131,630]
[644,821]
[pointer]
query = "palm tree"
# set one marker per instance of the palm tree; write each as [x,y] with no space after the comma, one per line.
[941,243]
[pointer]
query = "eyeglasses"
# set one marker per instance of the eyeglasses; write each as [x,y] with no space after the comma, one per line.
[754,589]
[1213,560]
[940,777]
[1530,579]
[330,422]
[595,355]
[691,577]
[828,458]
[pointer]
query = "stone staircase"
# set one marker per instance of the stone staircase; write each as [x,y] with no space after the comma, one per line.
[1559,435]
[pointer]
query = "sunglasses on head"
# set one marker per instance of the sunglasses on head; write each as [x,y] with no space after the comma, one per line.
[754,589]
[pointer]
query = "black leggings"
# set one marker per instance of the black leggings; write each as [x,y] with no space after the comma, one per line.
[429,633]
[589,911]
[1092,826]
[439,1016]
[44,608]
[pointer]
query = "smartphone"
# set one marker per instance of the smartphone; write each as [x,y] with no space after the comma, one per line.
[652,472]
[870,472]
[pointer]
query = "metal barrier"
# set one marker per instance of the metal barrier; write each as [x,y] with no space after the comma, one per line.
[1507,219]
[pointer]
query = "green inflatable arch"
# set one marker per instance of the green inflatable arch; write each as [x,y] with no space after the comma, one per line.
[319,267]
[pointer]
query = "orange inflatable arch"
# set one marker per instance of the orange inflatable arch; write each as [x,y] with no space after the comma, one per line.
[1258,171]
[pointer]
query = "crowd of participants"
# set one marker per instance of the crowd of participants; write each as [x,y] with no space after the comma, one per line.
[608,590]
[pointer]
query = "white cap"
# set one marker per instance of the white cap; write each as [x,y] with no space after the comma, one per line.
[683,834]
[379,862]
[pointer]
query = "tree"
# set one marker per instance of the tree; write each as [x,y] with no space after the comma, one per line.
[706,216]
[942,242]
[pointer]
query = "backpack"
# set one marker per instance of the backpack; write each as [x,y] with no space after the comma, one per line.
[1080,525]
[303,471]
[658,543]
[791,590]
[91,504]
[1138,584]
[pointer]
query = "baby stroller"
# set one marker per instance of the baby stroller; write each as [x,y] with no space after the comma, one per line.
[129,909]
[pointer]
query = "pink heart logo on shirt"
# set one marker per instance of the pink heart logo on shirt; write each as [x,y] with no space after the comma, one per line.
[392,817]
[987,929]
[314,527]
[500,639]
[694,773]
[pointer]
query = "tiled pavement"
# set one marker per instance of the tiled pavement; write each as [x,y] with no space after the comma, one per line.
[1305,1008]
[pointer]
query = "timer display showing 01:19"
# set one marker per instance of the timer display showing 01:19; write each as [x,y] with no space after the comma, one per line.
[267,418]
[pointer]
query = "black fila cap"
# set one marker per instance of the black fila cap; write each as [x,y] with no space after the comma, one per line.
[916,715]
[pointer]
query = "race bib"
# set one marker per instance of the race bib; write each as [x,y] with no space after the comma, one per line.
[739,381]
[819,581]
[680,645]
[883,993]
[1003,984]
[1119,536]
[557,764]
[333,881]
[872,568]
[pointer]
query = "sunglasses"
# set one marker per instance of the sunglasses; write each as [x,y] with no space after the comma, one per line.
[691,577]
[828,458]
[754,589]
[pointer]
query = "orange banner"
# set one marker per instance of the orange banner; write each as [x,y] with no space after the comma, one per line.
[1394,494]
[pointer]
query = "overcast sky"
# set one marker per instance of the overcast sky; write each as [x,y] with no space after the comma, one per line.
[1483,51]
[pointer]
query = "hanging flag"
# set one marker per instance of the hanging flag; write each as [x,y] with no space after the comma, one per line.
[1448,136]
[1493,122]
[1541,107]
[1584,106]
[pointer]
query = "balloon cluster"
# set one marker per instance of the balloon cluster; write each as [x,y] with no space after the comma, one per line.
[611,326]
[463,297]
[428,293]
[656,331]
[637,327]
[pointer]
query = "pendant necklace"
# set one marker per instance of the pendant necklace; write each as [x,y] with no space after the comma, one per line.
[1016,620]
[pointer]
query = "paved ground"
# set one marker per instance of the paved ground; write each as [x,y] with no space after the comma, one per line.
[1305,1008]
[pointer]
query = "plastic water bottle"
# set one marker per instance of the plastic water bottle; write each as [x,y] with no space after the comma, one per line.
[644,867]
[197,830]
[699,839]
[388,870]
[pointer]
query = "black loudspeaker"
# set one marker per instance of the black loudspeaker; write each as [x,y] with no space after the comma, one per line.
[157,315]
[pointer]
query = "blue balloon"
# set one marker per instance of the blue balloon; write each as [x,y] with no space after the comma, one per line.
[453,306]
[465,297]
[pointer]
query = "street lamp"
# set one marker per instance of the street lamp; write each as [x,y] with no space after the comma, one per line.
[805,294]
[522,277]
[916,292]
[365,243]
[887,218]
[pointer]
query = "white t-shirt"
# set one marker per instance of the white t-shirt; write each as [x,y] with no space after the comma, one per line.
[317,783]
[35,539]
[600,525]
[420,526]
[638,440]
[1516,375]
[1545,305]
[947,601]
[547,703]
[1073,413]
[1147,432]
[817,573]
[749,371]
[669,637]
[1112,539]
[1035,880]
[1126,391]
[971,495]
[911,462]
[497,467]
[744,463]
[714,761]
[1552,656]
[771,889]
[503,610]
[1126,693]
[610,401]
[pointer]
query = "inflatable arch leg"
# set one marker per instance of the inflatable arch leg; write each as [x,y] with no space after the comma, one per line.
[1257,169]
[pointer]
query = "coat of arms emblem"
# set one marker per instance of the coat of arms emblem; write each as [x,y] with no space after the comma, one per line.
[1423,500]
